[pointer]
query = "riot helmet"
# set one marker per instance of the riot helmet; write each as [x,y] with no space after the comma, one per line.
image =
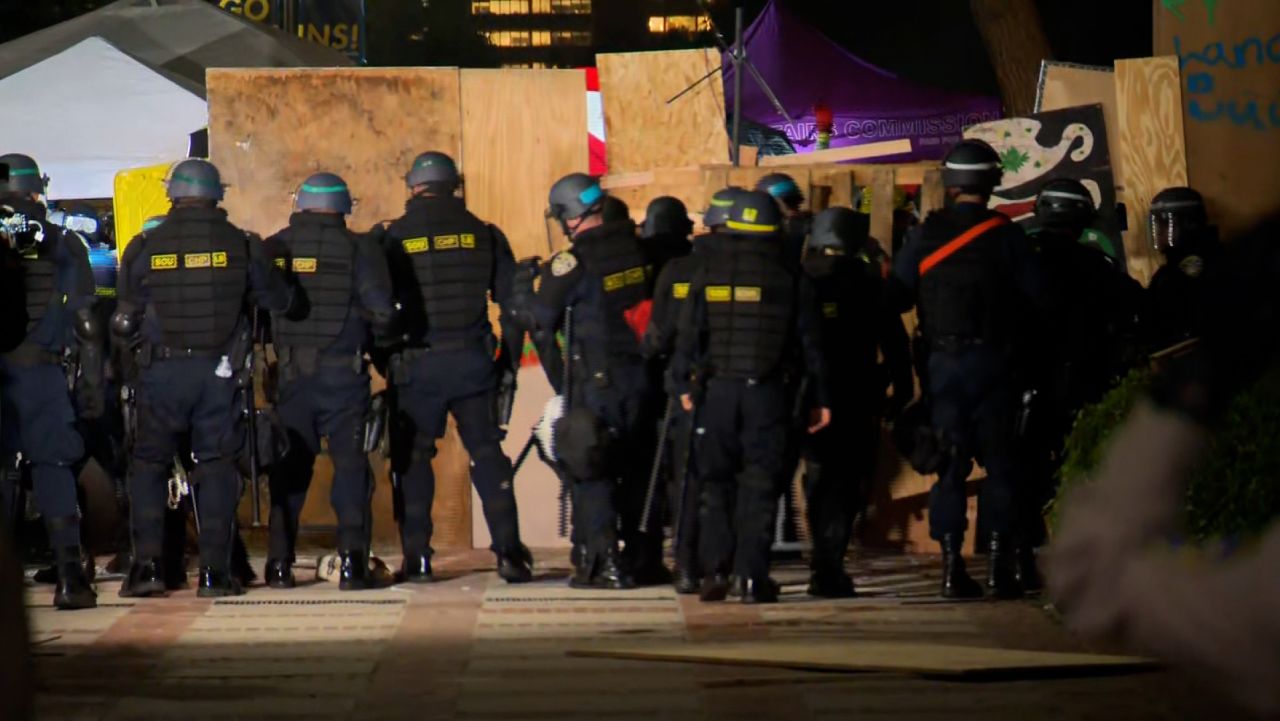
[783,188]
[24,176]
[754,213]
[666,216]
[574,197]
[717,211]
[436,171]
[1065,204]
[614,209]
[837,231]
[195,178]
[1176,218]
[323,193]
[972,166]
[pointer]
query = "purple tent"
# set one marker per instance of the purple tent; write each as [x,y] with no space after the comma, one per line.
[804,68]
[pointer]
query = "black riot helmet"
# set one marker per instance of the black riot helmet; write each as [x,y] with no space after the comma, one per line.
[614,209]
[783,188]
[1065,204]
[972,166]
[717,211]
[195,179]
[436,171]
[754,213]
[24,176]
[573,197]
[323,193]
[1177,217]
[666,216]
[837,231]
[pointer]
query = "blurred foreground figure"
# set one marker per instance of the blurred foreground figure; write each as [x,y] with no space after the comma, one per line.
[1111,570]
[16,683]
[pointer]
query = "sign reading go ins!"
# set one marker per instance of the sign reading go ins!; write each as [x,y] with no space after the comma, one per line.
[338,24]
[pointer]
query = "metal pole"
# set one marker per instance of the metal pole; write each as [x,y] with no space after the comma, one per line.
[737,87]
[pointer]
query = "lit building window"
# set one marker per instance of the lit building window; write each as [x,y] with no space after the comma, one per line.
[566,37]
[508,38]
[571,7]
[660,24]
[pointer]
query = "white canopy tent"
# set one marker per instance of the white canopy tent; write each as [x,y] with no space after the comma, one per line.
[89,112]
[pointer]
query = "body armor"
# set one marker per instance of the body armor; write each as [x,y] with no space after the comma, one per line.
[617,268]
[322,261]
[750,297]
[964,298]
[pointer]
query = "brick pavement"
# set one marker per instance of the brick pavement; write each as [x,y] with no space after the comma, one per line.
[471,647]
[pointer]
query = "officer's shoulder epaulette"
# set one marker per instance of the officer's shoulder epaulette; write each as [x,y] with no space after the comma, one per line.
[563,263]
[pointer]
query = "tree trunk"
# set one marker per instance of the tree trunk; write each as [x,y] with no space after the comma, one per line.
[1016,43]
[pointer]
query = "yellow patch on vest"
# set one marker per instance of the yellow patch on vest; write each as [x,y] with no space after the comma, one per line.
[636,276]
[279,263]
[719,293]
[614,281]
[830,310]
[468,240]
[746,294]
[196,260]
[219,259]
[304,265]
[445,242]
[416,245]
[104,292]
[680,291]
[168,261]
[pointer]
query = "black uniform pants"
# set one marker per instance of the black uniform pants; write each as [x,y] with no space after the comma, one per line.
[176,397]
[331,402]
[39,421]
[974,406]
[839,461]
[742,462]
[462,384]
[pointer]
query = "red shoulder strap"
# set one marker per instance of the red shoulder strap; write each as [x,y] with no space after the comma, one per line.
[959,242]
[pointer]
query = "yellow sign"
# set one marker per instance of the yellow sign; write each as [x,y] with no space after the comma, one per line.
[446,242]
[139,195]
[468,240]
[635,276]
[196,260]
[255,10]
[746,294]
[164,262]
[719,293]
[304,265]
[219,259]
[415,245]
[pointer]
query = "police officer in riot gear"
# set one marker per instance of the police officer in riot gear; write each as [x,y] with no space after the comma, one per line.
[797,221]
[1180,231]
[669,294]
[1070,356]
[344,292]
[446,266]
[857,326]
[186,291]
[969,272]
[38,414]
[664,234]
[749,325]
[602,287]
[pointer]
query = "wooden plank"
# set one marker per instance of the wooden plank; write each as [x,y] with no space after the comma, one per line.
[836,155]
[932,193]
[882,192]
[270,128]
[750,156]
[1063,85]
[925,659]
[521,131]
[646,132]
[1230,113]
[1152,148]
[687,184]
[1016,43]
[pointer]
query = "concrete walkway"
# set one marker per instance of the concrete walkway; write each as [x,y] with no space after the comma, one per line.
[471,647]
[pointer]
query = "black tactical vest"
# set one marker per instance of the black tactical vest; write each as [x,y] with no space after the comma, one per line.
[622,280]
[198,274]
[452,254]
[964,298]
[39,274]
[321,259]
[750,298]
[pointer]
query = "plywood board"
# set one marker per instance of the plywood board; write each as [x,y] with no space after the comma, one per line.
[1152,147]
[521,131]
[960,662]
[882,194]
[646,132]
[836,155]
[270,128]
[1230,62]
[687,184]
[1064,85]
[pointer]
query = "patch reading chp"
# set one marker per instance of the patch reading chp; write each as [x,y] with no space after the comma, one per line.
[197,260]
[719,293]
[680,291]
[168,261]
[563,263]
[746,294]
[304,265]
[416,245]
[445,242]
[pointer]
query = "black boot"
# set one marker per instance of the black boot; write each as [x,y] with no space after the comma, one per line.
[353,575]
[47,575]
[144,579]
[1002,574]
[714,588]
[517,566]
[831,583]
[416,569]
[644,558]
[956,583]
[279,574]
[217,584]
[583,567]
[73,590]
[610,572]
[760,590]
[1028,572]
[686,581]
[241,569]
